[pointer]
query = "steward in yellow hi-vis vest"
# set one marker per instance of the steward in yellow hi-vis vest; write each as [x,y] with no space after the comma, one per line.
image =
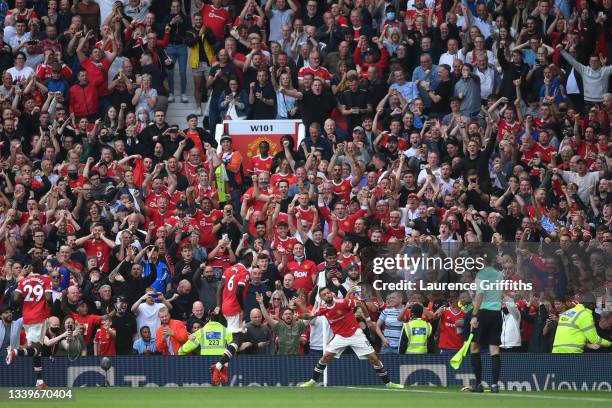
[576,328]
[415,333]
[212,340]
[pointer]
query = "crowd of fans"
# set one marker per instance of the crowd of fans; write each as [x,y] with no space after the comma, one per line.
[432,128]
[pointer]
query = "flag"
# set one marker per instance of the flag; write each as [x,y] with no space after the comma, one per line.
[248,134]
[455,362]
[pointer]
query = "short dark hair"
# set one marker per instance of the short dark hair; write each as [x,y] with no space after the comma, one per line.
[416,311]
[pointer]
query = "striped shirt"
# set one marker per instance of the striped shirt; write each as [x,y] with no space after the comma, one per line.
[393,327]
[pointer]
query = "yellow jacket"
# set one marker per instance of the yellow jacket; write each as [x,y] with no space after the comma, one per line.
[195,41]
[212,340]
[575,329]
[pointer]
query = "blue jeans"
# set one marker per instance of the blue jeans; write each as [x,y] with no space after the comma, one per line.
[178,51]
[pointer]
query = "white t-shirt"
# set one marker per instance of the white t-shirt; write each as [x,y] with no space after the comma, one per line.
[423,175]
[584,183]
[24,74]
[318,328]
[147,315]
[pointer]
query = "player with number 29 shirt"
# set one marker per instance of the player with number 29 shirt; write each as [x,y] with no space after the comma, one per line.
[34,292]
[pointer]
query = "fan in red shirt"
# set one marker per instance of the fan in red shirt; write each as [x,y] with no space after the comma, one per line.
[206,220]
[230,300]
[342,187]
[393,228]
[263,161]
[347,333]
[104,340]
[529,148]
[34,292]
[156,192]
[261,187]
[216,18]
[98,246]
[303,270]
[347,254]
[345,223]
[451,326]
[305,211]
[313,67]
[281,239]
[159,214]
[86,320]
[182,221]
[508,125]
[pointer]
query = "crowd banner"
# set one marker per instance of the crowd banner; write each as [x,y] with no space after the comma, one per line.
[247,134]
[521,372]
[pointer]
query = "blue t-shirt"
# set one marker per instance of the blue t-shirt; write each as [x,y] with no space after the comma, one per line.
[163,275]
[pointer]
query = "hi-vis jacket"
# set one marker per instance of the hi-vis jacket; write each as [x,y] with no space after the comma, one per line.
[212,340]
[576,327]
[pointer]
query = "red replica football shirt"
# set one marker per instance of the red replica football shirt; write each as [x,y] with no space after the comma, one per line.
[343,190]
[234,276]
[340,316]
[87,323]
[33,289]
[303,273]
[450,338]
[205,224]
[100,250]
[216,19]
[259,165]
[106,343]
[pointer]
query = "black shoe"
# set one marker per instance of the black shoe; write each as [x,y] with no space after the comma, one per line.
[495,389]
[478,388]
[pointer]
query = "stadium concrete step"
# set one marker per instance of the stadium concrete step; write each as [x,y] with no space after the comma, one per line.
[177,111]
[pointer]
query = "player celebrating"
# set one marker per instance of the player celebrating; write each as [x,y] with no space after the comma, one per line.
[35,293]
[339,314]
[230,301]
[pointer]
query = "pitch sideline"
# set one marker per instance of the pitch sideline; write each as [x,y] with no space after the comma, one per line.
[550,397]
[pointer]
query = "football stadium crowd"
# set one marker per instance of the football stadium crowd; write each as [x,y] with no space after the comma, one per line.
[433,128]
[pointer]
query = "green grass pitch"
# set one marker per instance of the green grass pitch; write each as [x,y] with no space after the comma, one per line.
[341,397]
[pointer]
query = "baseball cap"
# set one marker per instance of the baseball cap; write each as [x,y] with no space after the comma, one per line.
[121,208]
[358,129]
[581,160]
[226,137]
[413,196]
[353,265]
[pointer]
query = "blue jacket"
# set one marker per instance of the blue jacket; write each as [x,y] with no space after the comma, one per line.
[241,97]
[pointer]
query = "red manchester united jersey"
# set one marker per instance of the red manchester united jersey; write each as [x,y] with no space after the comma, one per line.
[303,272]
[99,249]
[33,289]
[340,316]
[234,276]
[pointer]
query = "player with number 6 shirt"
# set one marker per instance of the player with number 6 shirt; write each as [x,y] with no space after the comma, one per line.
[230,301]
